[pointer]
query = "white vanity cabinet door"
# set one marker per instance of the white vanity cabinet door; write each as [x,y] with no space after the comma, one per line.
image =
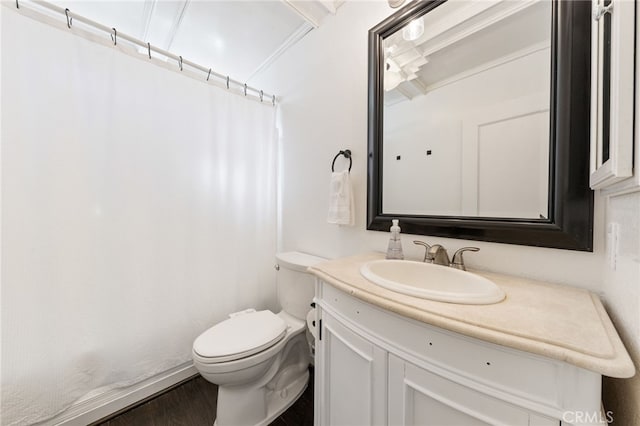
[351,375]
[420,397]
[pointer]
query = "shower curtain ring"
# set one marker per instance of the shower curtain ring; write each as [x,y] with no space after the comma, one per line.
[17,5]
[209,75]
[114,37]
[69,20]
[149,49]
[245,89]
[180,63]
[261,95]
[227,82]
[273,100]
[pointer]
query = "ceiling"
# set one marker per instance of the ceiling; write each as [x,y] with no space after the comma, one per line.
[235,38]
[460,40]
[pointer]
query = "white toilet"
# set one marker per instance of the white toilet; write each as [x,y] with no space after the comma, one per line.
[259,360]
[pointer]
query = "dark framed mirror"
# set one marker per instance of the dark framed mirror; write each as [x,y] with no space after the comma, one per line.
[478,122]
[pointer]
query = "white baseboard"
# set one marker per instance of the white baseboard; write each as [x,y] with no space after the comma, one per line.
[100,406]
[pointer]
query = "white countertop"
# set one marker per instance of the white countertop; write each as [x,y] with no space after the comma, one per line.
[560,322]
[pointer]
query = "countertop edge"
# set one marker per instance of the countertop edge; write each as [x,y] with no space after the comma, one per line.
[619,366]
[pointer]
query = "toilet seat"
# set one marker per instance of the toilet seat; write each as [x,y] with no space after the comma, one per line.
[239,337]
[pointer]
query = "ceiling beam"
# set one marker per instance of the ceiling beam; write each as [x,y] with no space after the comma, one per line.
[147,14]
[177,20]
[307,10]
[404,92]
[290,41]
[330,5]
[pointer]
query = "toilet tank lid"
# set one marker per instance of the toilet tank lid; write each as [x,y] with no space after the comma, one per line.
[297,261]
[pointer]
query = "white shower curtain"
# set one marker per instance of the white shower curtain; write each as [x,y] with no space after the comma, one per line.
[138,209]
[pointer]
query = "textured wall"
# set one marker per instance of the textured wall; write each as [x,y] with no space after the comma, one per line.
[622,296]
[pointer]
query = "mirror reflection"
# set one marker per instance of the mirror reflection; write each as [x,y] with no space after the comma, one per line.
[466,112]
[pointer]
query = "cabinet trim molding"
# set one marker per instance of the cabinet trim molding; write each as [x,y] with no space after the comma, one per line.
[612,115]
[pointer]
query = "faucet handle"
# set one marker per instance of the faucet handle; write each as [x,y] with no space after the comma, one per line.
[426,250]
[458,261]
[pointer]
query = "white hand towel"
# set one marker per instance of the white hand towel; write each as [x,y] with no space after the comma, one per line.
[341,211]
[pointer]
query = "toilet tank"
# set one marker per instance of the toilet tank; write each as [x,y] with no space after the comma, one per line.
[295,285]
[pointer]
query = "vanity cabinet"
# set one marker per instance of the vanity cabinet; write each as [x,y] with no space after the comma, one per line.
[418,396]
[353,377]
[375,367]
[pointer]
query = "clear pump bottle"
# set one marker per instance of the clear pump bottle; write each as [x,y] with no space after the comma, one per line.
[394,251]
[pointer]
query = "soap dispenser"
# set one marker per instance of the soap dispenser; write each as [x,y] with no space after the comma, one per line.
[394,251]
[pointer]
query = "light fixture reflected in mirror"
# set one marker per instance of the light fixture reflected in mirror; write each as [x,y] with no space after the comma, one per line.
[395,3]
[414,30]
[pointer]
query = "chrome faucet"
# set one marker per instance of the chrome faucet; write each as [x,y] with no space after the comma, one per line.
[438,255]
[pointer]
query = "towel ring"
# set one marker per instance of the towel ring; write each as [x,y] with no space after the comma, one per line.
[347,154]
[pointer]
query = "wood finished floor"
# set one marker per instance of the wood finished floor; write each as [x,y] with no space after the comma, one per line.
[193,403]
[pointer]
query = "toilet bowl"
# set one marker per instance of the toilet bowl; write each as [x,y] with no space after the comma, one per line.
[260,359]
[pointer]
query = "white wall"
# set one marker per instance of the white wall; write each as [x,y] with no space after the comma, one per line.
[621,283]
[322,82]
[622,298]
[433,184]
[622,272]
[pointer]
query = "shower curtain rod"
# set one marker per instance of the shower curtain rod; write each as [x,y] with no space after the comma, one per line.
[116,35]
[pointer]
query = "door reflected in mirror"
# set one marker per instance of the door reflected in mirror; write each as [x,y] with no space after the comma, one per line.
[466,109]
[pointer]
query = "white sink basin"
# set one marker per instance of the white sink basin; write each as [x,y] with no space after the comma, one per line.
[434,282]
